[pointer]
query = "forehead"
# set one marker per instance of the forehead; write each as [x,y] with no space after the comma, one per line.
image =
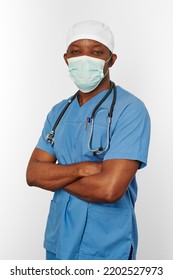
[87,43]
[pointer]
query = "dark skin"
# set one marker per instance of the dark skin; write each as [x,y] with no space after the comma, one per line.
[103,182]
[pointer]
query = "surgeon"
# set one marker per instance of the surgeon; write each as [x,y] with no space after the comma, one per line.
[90,149]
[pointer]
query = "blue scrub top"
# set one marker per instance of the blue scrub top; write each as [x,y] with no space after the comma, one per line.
[77,229]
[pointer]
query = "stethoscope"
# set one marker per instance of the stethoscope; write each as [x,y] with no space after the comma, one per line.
[100,150]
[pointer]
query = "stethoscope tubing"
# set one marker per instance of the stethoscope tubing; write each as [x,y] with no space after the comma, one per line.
[100,150]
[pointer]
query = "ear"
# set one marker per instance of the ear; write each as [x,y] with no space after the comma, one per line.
[65,58]
[112,60]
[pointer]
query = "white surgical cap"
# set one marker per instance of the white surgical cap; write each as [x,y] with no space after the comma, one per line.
[93,30]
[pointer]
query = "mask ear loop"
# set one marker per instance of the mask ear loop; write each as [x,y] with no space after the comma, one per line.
[107,62]
[109,58]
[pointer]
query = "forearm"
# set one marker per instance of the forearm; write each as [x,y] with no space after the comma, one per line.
[91,189]
[51,176]
[109,185]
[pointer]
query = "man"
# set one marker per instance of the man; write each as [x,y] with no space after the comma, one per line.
[89,160]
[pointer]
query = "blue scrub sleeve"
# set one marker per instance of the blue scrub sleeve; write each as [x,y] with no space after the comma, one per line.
[130,138]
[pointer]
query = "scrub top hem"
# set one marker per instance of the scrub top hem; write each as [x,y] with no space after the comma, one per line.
[62,255]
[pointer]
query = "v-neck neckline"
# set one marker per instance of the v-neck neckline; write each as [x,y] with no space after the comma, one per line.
[94,98]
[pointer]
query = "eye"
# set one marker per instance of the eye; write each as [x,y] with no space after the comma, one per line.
[97,52]
[75,52]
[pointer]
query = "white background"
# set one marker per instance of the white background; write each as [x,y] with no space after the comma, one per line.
[33,77]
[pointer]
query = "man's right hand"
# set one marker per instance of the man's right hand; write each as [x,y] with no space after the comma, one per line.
[89,168]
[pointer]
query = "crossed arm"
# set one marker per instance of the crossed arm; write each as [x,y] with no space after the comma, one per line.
[104,182]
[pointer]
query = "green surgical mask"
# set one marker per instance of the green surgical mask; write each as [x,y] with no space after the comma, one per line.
[86,71]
